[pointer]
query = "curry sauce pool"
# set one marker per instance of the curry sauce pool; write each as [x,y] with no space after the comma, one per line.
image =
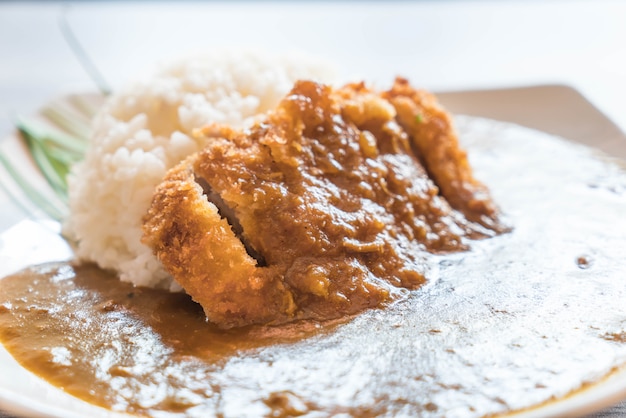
[123,347]
[510,324]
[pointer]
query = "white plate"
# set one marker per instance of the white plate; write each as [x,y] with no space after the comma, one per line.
[29,242]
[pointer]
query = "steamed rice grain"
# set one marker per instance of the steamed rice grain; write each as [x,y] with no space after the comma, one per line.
[146,129]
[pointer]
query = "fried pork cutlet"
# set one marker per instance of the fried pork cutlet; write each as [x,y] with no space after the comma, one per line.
[326,207]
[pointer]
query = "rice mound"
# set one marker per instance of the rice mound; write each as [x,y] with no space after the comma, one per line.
[147,128]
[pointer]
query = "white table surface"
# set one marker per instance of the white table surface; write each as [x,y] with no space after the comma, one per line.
[439,45]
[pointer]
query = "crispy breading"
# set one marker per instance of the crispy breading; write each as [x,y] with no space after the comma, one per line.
[328,206]
[435,140]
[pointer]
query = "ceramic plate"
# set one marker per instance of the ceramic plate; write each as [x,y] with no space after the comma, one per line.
[530,334]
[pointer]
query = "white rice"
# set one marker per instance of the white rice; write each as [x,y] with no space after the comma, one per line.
[145,129]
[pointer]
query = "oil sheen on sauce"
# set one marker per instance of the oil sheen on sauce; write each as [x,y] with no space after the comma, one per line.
[520,319]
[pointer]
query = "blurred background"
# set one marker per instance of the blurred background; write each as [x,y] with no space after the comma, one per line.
[440,45]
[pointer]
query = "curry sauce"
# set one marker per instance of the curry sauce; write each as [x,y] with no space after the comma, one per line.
[116,345]
[516,321]
[326,207]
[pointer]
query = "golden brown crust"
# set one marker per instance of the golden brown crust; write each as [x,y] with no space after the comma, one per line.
[435,139]
[329,194]
[209,261]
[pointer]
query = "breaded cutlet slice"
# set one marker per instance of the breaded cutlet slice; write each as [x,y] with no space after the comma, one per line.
[329,205]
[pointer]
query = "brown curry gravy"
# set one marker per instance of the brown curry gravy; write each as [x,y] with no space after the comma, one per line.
[514,323]
[113,344]
[337,197]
